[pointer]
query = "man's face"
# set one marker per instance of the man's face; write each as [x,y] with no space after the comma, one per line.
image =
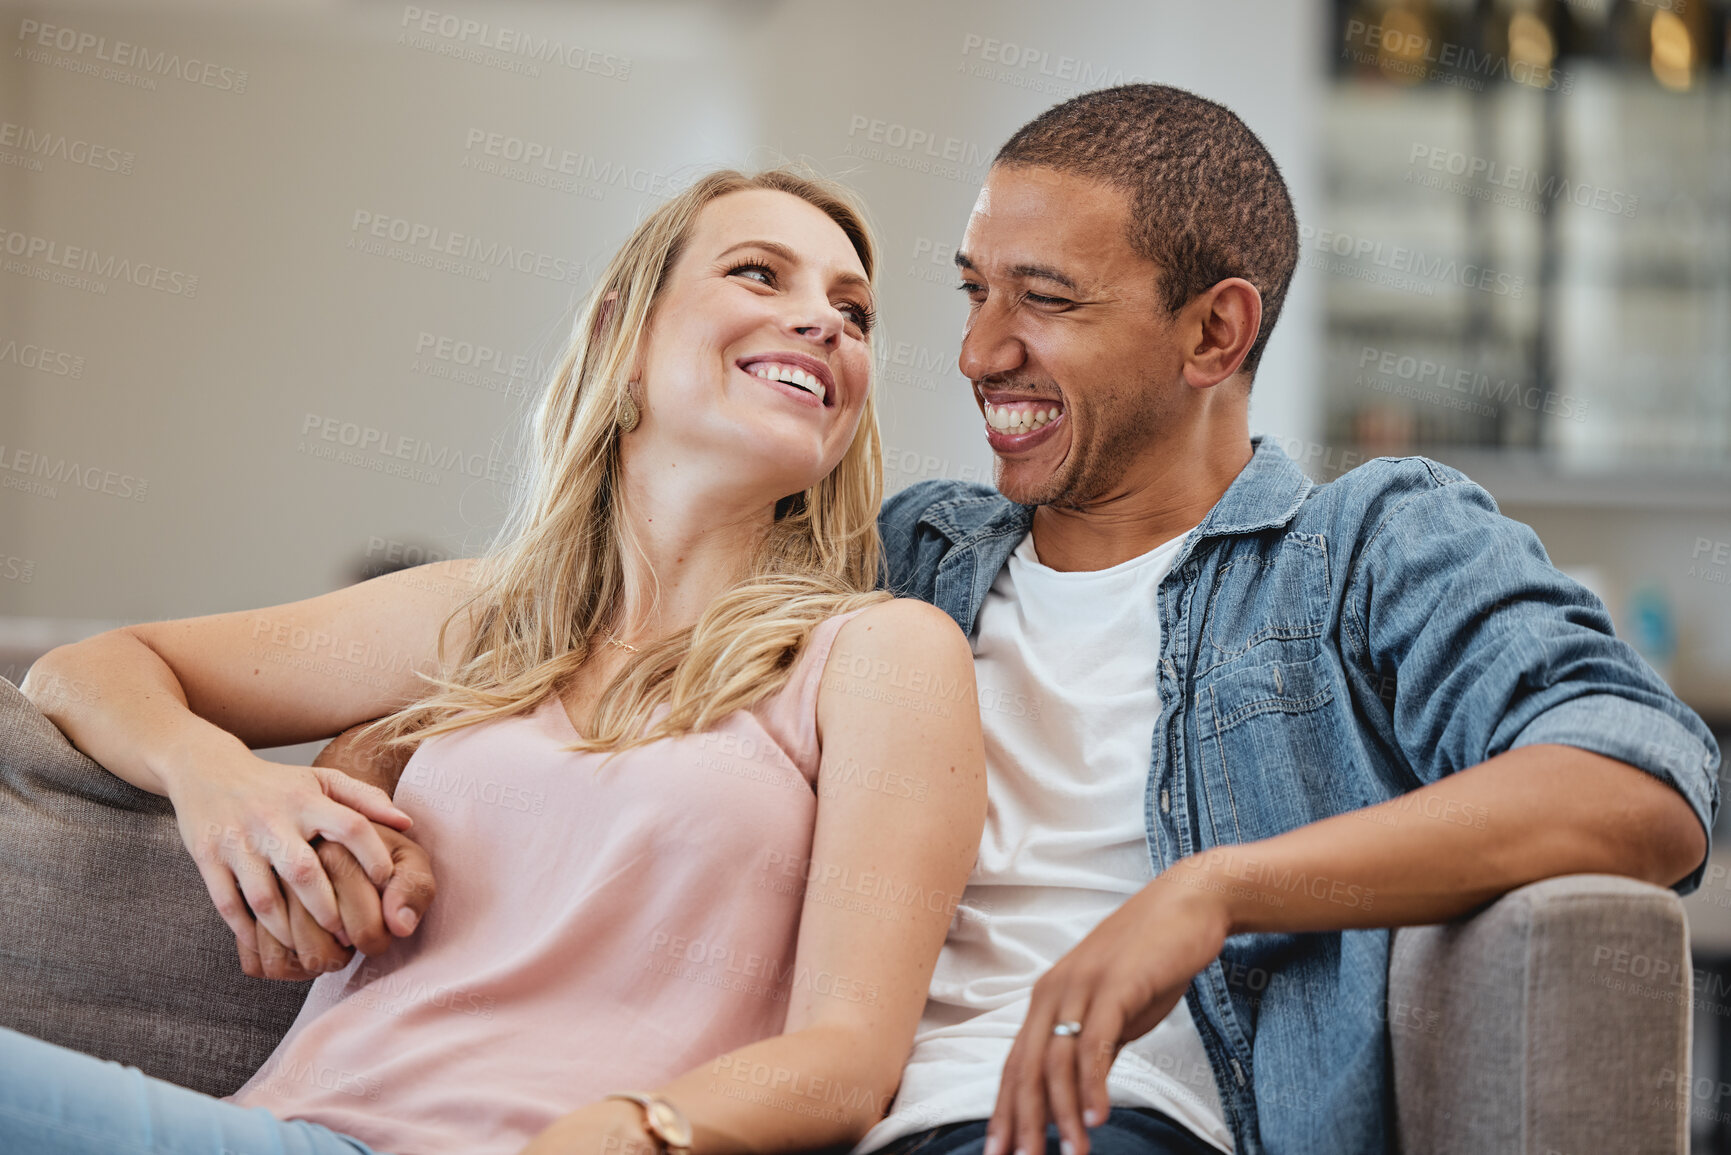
[1068,344]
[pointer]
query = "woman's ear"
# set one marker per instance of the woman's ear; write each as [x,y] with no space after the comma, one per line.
[603,316]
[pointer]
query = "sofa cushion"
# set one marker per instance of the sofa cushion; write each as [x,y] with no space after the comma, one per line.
[108,941]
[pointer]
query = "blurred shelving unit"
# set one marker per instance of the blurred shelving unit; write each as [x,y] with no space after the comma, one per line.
[1529,232]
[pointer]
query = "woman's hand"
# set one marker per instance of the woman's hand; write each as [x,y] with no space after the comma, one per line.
[248,822]
[612,1126]
[369,918]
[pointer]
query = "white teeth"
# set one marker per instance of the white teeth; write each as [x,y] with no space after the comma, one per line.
[771,371]
[1010,419]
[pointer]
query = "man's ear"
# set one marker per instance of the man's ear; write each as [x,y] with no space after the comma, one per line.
[1220,325]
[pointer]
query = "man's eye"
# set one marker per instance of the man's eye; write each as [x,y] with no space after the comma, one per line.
[970,287]
[768,277]
[1039,299]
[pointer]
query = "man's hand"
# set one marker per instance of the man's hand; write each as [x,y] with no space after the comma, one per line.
[1427,856]
[369,918]
[1118,982]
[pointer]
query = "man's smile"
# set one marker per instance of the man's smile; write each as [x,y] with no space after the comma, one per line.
[1022,416]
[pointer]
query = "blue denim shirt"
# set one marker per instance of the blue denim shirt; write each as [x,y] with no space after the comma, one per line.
[1324,648]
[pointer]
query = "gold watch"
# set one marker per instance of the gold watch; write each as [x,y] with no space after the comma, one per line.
[662,1120]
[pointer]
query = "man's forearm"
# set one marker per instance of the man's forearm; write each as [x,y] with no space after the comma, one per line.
[1438,852]
[369,761]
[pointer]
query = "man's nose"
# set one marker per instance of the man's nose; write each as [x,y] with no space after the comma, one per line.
[989,346]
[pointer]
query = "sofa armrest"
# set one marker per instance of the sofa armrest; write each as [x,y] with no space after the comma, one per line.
[1557,1019]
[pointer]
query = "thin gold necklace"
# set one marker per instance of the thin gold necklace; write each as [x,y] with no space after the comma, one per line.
[626,646]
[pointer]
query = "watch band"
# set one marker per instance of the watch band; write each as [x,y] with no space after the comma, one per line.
[664,1122]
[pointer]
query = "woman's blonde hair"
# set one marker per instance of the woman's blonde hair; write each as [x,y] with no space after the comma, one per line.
[552,581]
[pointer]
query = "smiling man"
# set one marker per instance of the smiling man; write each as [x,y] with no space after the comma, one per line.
[1255,721]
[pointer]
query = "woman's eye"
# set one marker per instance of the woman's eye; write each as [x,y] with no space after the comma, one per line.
[767,276]
[862,315]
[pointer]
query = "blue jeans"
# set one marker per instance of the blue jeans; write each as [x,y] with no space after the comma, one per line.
[1126,1131]
[55,1101]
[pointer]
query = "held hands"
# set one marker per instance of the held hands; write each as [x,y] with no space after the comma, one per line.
[366,915]
[369,919]
[1118,982]
[249,822]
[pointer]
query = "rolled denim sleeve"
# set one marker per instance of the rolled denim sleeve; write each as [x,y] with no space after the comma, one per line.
[1489,647]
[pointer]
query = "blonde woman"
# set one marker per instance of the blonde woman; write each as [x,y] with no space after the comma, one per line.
[697,795]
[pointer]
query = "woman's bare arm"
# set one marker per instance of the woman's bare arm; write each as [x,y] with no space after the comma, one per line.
[134,697]
[175,708]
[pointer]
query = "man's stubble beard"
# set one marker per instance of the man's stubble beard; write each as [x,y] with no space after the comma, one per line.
[1089,474]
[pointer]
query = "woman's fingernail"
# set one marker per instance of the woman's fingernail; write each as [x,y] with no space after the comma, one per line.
[1091,1117]
[410,918]
[1066,1148]
[994,1145]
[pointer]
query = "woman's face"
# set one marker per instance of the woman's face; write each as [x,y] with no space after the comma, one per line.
[755,367]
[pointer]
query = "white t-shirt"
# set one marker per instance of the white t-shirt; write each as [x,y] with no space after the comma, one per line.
[1067,667]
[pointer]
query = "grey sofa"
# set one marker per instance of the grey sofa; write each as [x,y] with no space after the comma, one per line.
[108,942]
[1554,1021]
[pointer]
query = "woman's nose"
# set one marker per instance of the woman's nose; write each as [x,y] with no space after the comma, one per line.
[821,330]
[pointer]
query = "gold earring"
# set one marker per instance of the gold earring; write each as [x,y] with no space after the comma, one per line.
[629,415]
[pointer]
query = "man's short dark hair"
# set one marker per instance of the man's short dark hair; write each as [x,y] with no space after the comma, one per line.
[1207,201]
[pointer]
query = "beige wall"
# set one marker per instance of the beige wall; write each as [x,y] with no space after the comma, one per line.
[205,397]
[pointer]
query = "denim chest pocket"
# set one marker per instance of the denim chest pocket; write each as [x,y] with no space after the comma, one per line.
[1265,698]
[1272,748]
[1261,597]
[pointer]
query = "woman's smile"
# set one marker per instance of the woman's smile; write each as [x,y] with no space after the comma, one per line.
[808,378]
